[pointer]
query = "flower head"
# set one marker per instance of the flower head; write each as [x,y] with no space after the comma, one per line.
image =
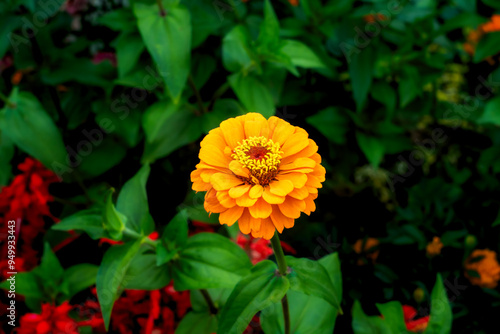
[53,319]
[485,264]
[414,325]
[369,248]
[434,247]
[261,173]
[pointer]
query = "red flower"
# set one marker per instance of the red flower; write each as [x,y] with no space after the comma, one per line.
[258,249]
[200,227]
[26,200]
[415,326]
[73,7]
[52,320]
[103,56]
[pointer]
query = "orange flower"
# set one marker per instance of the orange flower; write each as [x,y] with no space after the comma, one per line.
[370,18]
[434,247]
[493,25]
[485,264]
[475,35]
[261,173]
[369,247]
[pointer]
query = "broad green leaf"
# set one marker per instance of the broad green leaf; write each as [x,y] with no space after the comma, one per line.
[6,154]
[129,47]
[132,202]
[372,147]
[25,116]
[252,93]
[197,322]
[207,261]
[385,94]
[491,114]
[89,221]
[489,45]
[174,237]
[103,157]
[9,24]
[114,221]
[27,284]
[168,128]
[363,324]
[311,278]
[121,19]
[441,316]
[78,278]
[331,263]
[218,296]
[50,268]
[360,70]
[331,123]
[222,110]
[205,20]
[392,313]
[308,314]
[236,50]
[260,289]
[409,85]
[144,274]
[111,275]
[301,55]
[268,39]
[169,45]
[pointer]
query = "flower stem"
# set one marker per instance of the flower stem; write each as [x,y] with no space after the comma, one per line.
[283,269]
[211,306]
[162,9]
[197,94]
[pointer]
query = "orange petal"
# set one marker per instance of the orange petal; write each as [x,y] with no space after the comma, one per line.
[245,200]
[280,220]
[294,144]
[304,165]
[245,222]
[214,138]
[310,205]
[211,203]
[225,200]
[261,209]
[267,229]
[299,193]
[206,174]
[298,179]
[232,129]
[292,207]
[237,168]
[281,187]
[307,152]
[282,131]
[312,181]
[256,191]
[230,216]
[272,198]
[222,181]
[252,128]
[238,191]
[213,155]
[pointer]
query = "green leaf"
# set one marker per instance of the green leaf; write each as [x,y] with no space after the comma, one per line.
[144,274]
[168,128]
[222,110]
[489,45]
[129,47]
[441,316]
[252,94]
[114,221]
[363,324]
[269,29]
[311,278]
[50,268]
[383,92]
[260,289]
[78,278]
[9,24]
[301,55]
[331,123]
[360,70]
[90,221]
[133,202]
[331,263]
[308,314]
[491,114]
[111,274]
[174,237]
[409,85]
[6,154]
[27,284]
[104,156]
[393,316]
[197,322]
[120,19]
[372,147]
[236,51]
[25,116]
[169,45]
[207,261]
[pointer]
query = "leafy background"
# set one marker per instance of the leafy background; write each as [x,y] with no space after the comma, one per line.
[406,120]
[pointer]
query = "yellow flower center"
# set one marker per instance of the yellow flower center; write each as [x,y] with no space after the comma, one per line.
[261,156]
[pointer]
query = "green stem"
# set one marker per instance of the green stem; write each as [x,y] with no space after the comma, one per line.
[213,309]
[236,12]
[283,269]
[162,9]
[197,94]
[144,239]
[278,253]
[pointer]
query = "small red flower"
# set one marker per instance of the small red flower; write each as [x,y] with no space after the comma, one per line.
[103,56]
[52,320]
[417,325]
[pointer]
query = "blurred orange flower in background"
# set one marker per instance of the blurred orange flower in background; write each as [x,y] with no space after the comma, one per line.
[261,173]
[434,247]
[369,247]
[484,263]
[475,35]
